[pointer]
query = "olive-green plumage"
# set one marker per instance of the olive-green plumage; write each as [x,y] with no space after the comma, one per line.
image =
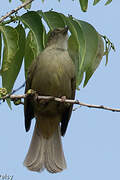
[52,73]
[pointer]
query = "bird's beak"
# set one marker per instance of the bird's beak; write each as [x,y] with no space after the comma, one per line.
[65,30]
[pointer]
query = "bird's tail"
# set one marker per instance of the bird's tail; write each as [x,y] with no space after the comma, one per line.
[45,153]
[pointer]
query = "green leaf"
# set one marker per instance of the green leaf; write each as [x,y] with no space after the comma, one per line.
[92,45]
[76,46]
[95,2]
[85,48]
[99,55]
[10,38]
[14,45]
[28,6]
[33,21]
[0,46]
[96,61]
[30,51]
[73,52]
[84,5]
[53,19]
[108,2]
[44,37]
[10,1]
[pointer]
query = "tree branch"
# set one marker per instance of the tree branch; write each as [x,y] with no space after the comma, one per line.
[15,10]
[61,100]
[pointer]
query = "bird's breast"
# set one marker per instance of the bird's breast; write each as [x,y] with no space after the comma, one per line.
[52,76]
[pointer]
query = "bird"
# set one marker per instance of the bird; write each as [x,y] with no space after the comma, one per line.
[52,73]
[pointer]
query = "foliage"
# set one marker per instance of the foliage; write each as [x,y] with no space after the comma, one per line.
[85,44]
[28,39]
[83,3]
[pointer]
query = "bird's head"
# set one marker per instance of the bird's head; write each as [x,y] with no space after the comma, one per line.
[59,37]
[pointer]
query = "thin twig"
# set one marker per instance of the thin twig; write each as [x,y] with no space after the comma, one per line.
[15,10]
[62,100]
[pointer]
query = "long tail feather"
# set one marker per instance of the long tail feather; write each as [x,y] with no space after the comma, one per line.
[45,153]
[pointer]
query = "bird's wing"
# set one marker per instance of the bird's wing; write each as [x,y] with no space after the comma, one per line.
[67,113]
[28,107]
